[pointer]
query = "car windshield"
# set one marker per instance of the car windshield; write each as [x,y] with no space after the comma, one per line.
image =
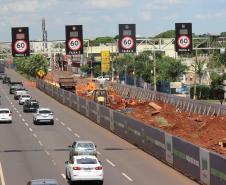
[85,145]
[86,161]
[4,111]
[35,104]
[44,112]
[25,96]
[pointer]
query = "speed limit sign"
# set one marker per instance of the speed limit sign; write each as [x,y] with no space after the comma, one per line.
[183,41]
[20,46]
[74,44]
[127,42]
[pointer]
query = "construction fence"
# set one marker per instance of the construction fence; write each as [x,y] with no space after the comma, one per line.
[181,103]
[204,166]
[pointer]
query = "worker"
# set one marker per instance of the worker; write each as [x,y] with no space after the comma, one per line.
[123,103]
[127,99]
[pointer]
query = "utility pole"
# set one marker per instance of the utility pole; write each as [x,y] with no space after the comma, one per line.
[196,60]
[154,60]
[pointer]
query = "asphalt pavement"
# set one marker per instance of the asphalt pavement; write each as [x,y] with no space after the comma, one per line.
[29,151]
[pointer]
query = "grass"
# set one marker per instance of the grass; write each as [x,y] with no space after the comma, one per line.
[162,121]
[31,78]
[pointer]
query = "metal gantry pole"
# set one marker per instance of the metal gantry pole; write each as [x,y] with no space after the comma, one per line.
[154,60]
[196,60]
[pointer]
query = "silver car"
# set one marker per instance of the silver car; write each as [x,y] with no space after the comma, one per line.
[82,148]
[43,115]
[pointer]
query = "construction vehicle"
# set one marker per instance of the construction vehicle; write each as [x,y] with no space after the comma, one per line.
[67,83]
[100,96]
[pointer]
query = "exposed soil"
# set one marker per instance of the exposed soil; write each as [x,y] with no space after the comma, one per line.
[205,131]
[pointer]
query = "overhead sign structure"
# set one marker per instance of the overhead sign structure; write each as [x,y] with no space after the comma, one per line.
[127,38]
[20,42]
[105,61]
[74,40]
[183,37]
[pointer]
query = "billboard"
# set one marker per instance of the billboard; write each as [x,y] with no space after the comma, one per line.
[127,38]
[183,37]
[74,39]
[20,42]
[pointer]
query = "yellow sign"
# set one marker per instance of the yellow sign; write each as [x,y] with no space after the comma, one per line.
[40,73]
[105,61]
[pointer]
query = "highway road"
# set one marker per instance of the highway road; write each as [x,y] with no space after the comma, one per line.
[28,151]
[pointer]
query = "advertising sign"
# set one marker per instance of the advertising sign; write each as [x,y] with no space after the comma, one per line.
[20,42]
[105,61]
[74,40]
[183,37]
[127,38]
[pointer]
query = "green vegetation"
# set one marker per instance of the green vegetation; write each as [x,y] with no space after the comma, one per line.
[166,34]
[31,65]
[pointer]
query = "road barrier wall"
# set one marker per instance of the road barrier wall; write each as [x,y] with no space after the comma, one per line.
[197,163]
[181,103]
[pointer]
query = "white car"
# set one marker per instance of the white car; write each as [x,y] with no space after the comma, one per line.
[23,98]
[5,115]
[84,168]
[18,93]
[43,115]
[101,79]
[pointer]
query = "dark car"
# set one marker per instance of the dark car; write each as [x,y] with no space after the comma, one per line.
[6,80]
[30,106]
[14,86]
[43,182]
[2,75]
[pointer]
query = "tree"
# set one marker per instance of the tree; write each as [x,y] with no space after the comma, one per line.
[169,69]
[85,68]
[199,69]
[166,34]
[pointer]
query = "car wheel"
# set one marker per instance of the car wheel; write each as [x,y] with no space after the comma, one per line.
[34,122]
[67,175]
[52,122]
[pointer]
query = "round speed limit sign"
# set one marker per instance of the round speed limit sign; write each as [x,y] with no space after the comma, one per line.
[183,41]
[74,44]
[20,46]
[127,42]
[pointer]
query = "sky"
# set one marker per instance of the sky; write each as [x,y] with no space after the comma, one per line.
[101,17]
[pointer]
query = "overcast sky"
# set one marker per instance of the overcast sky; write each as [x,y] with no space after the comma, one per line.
[101,17]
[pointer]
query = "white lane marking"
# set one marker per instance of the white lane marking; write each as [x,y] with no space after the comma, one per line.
[35,135]
[47,153]
[23,120]
[57,119]
[64,176]
[126,176]
[1,175]
[69,129]
[76,135]
[15,108]
[98,153]
[40,143]
[111,163]
[11,103]
[20,115]
[17,111]
[26,124]
[62,123]
[30,129]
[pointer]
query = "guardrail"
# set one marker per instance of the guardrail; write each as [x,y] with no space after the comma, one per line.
[185,104]
[200,164]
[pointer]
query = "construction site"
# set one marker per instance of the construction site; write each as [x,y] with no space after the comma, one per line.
[206,131]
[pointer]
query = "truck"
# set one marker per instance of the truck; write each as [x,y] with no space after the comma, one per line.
[67,83]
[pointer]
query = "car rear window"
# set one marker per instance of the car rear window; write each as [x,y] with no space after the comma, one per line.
[25,96]
[85,145]
[86,161]
[4,111]
[44,112]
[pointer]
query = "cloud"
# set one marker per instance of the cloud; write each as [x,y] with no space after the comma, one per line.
[146,15]
[211,16]
[25,6]
[102,4]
